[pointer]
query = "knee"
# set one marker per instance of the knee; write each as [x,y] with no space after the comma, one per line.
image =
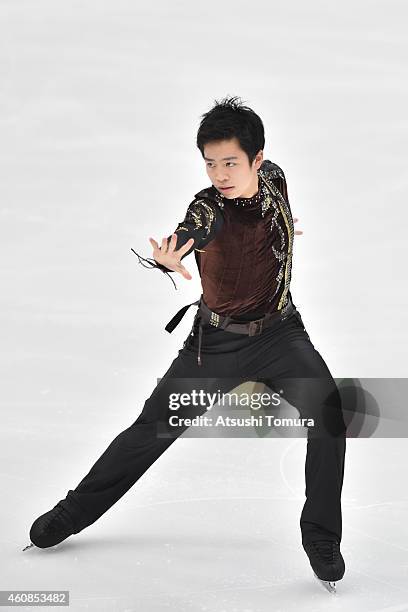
[333,420]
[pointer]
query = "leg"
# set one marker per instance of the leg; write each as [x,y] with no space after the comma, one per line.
[290,362]
[136,448]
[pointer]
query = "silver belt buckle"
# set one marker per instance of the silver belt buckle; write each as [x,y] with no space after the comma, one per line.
[255,327]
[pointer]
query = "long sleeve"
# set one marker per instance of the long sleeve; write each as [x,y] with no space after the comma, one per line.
[202,221]
[277,175]
[282,185]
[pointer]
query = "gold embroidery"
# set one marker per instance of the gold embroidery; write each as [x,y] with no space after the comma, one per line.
[194,215]
[209,215]
[287,217]
[266,204]
[200,212]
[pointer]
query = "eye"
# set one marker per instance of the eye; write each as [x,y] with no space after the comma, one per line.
[232,163]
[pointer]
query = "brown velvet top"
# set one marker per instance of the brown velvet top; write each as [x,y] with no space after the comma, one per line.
[243,246]
[238,269]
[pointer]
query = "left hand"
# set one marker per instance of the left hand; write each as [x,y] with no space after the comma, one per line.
[295,220]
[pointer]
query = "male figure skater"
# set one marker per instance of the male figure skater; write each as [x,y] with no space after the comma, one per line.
[246,327]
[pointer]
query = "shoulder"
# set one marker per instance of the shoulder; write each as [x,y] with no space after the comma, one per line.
[272,170]
[274,175]
[204,212]
[201,204]
[208,194]
[208,200]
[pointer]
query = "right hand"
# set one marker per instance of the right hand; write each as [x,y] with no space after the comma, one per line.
[169,257]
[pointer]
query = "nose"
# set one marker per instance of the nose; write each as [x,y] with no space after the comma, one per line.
[221,177]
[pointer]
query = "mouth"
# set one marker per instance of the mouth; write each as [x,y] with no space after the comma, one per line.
[225,188]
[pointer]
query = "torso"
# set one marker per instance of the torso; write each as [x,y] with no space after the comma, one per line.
[243,268]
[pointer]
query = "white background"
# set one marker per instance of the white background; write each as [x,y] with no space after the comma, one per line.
[100,103]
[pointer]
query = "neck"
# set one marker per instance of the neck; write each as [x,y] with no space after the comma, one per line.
[251,191]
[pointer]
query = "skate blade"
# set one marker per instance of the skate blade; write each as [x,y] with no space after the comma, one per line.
[328,584]
[29,546]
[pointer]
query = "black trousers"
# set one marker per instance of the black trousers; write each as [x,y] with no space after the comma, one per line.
[283,357]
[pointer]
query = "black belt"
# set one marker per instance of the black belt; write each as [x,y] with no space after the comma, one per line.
[227,323]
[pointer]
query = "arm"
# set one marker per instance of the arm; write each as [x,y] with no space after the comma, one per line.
[202,221]
[281,184]
[277,176]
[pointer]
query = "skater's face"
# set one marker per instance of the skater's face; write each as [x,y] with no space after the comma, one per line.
[228,166]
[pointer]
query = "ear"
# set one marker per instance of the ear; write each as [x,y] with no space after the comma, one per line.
[258,159]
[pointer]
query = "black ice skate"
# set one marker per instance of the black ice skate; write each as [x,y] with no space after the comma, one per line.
[51,528]
[326,561]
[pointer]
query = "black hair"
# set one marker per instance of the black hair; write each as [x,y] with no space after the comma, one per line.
[229,118]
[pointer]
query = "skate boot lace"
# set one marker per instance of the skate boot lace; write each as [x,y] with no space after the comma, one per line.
[57,511]
[326,549]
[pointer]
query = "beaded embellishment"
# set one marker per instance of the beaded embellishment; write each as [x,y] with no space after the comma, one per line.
[198,211]
[261,197]
[267,175]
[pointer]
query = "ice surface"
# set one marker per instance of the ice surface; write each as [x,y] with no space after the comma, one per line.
[100,103]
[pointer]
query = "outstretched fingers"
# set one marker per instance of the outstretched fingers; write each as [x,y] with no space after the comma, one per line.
[164,245]
[183,249]
[163,248]
[172,243]
[184,272]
